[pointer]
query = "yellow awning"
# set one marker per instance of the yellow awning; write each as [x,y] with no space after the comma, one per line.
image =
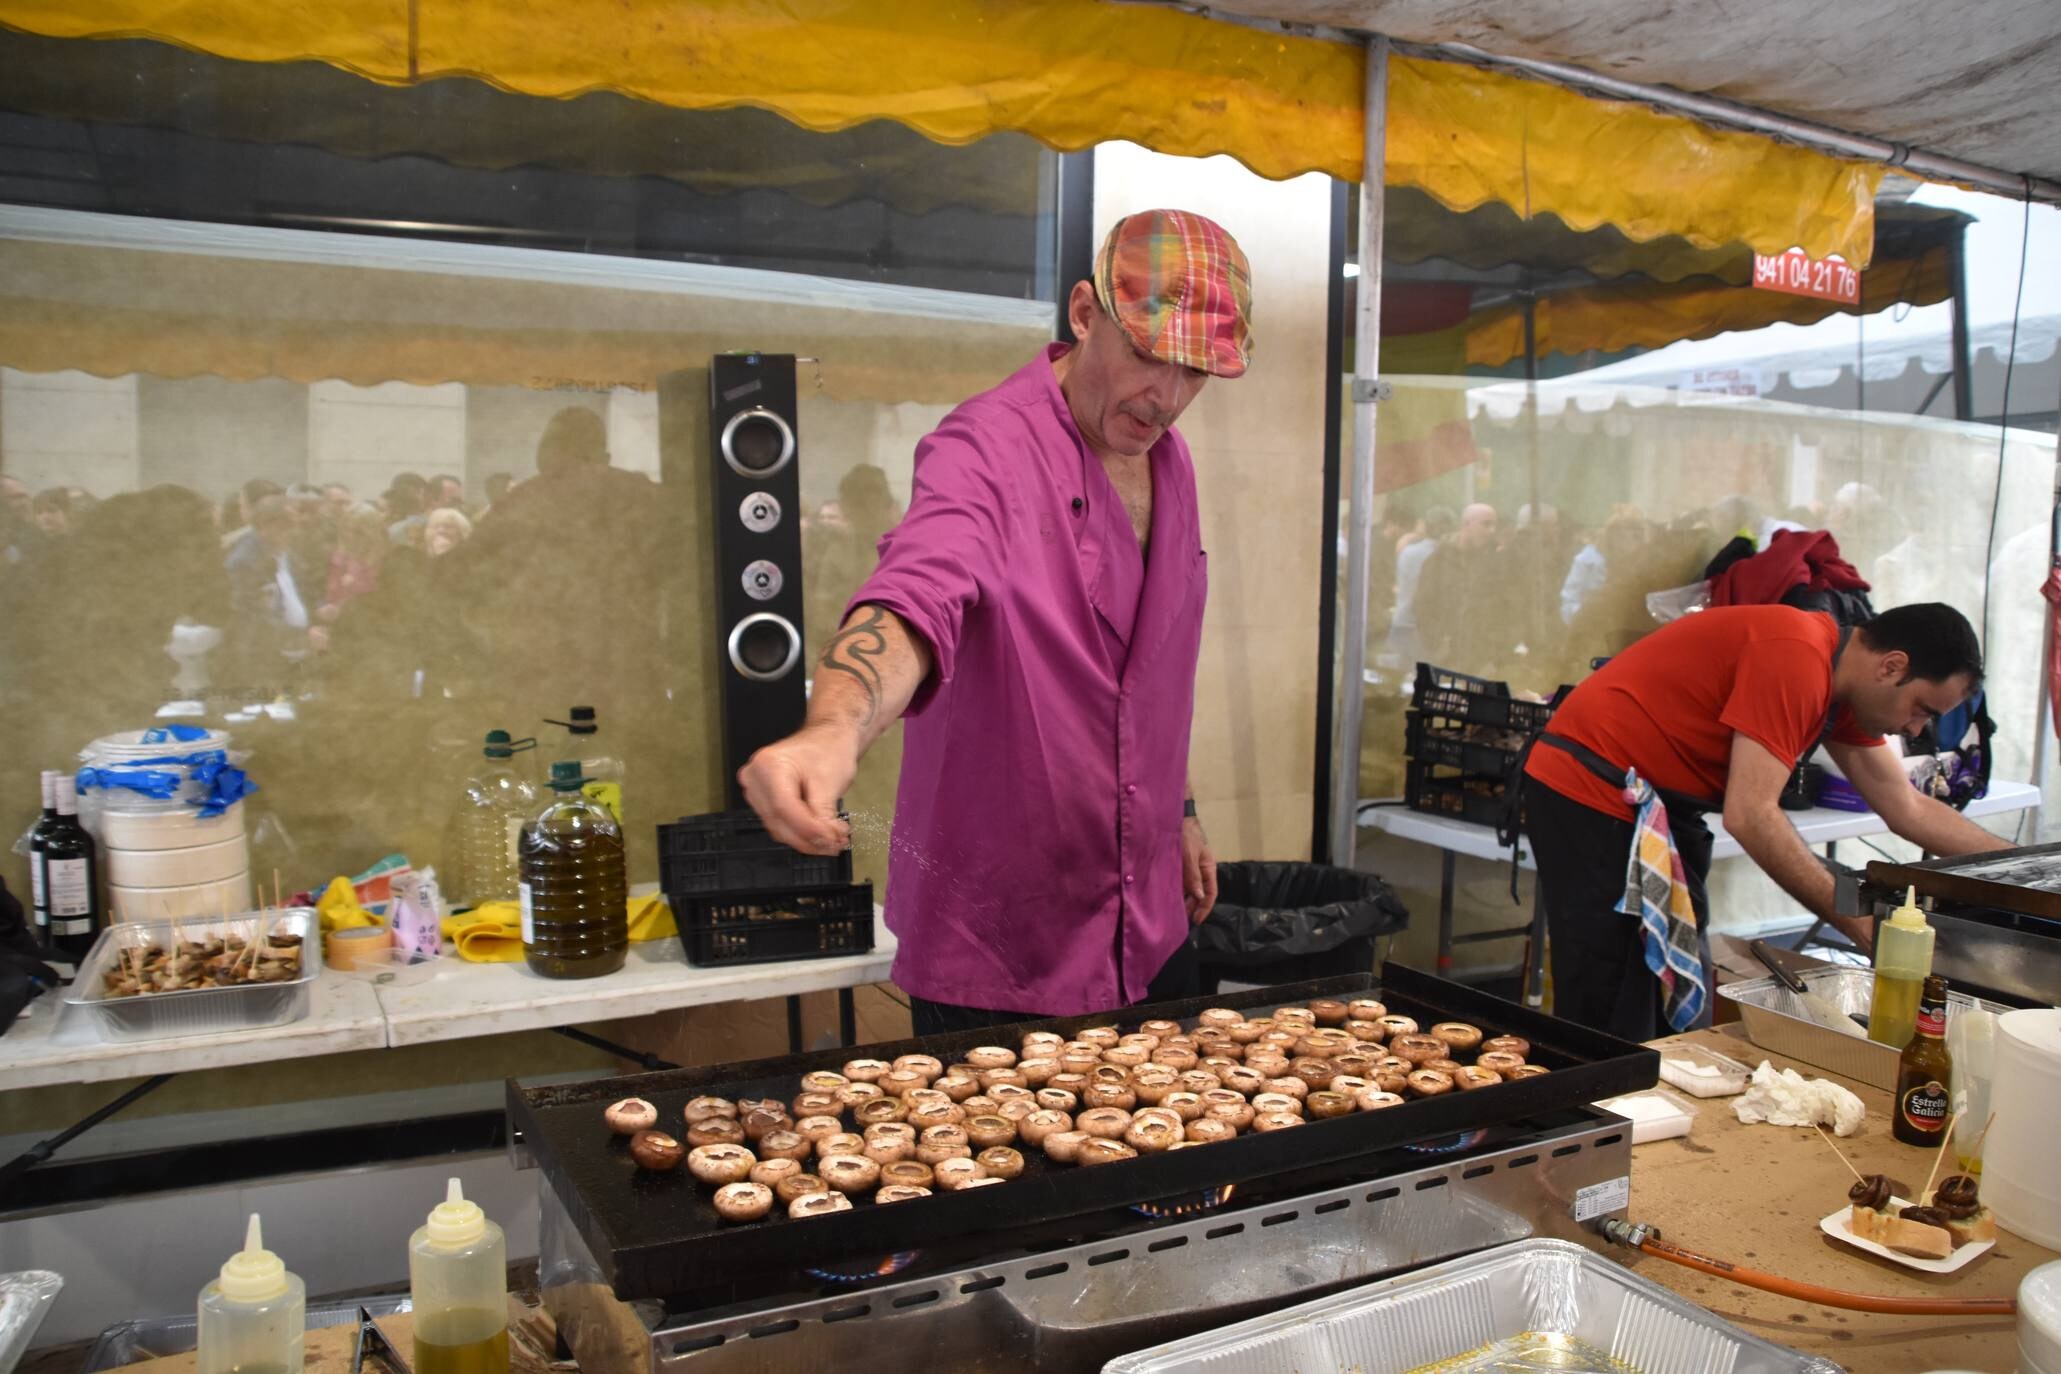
[1070,73]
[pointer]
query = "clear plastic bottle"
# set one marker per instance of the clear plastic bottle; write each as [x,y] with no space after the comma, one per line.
[603,771]
[254,1315]
[575,892]
[458,1281]
[1903,957]
[485,835]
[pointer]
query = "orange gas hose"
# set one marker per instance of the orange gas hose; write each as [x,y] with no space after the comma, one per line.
[1827,1297]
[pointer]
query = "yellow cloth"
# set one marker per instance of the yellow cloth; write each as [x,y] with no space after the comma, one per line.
[491,933]
[338,907]
[1070,73]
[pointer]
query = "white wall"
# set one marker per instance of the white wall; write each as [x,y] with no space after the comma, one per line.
[69,429]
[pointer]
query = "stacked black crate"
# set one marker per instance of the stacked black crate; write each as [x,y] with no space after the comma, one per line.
[1464,742]
[741,897]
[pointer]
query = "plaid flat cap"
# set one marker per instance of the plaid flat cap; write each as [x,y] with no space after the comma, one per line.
[1180,287]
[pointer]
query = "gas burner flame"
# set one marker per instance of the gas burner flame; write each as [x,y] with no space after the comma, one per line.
[865,1270]
[1187,1206]
[1466,1141]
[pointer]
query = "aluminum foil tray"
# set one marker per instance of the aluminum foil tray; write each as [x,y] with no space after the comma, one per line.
[1776,1021]
[196,1011]
[1532,1305]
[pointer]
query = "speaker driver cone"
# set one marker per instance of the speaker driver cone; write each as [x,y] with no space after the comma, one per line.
[765,647]
[757,443]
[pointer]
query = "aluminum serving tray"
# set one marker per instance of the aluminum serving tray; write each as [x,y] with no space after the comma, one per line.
[197,1011]
[1775,1020]
[1531,1305]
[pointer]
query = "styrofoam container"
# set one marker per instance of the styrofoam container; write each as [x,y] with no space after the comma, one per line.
[202,863]
[1533,1295]
[1655,1114]
[166,825]
[197,899]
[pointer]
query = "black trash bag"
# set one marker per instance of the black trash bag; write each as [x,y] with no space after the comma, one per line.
[1272,917]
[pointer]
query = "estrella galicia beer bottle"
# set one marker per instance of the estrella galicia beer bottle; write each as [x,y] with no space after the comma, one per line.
[1923,1104]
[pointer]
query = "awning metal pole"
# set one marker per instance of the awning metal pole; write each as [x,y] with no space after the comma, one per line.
[1352,652]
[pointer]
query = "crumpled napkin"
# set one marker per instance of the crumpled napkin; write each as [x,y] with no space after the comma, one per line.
[339,908]
[1784,1097]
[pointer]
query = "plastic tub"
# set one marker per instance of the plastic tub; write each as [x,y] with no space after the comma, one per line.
[188,867]
[197,899]
[1655,1114]
[164,825]
[1702,1073]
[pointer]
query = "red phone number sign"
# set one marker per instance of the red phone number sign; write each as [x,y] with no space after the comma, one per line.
[1797,274]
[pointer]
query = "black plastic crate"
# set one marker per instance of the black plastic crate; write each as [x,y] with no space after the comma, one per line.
[729,852]
[774,927]
[1486,750]
[1462,796]
[1462,699]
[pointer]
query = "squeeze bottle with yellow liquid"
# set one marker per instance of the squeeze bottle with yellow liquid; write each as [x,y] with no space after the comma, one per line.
[253,1317]
[1903,957]
[458,1278]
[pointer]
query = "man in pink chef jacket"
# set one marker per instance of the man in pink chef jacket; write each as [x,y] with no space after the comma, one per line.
[1036,618]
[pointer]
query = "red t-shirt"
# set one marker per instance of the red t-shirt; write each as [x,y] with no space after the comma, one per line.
[1669,705]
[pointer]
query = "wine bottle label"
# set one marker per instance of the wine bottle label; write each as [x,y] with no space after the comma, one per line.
[72,925]
[529,917]
[68,887]
[39,900]
[1926,1106]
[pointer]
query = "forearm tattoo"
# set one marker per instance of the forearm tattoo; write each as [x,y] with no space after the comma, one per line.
[854,651]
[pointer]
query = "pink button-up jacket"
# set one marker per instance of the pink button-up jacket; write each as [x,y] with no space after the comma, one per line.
[1036,859]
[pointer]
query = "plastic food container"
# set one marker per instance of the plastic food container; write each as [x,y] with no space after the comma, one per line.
[197,900]
[1655,1114]
[197,1011]
[195,864]
[1702,1073]
[1537,1304]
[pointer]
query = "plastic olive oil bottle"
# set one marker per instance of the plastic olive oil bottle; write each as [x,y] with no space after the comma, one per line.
[458,1279]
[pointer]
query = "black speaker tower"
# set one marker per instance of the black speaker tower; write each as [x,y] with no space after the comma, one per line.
[754,455]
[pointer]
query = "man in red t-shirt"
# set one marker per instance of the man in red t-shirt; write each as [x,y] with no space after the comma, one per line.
[1714,711]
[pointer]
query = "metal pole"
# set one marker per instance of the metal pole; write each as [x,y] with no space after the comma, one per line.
[1964,381]
[1352,651]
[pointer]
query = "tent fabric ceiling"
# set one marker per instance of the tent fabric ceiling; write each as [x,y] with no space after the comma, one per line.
[1070,73]
[1964,81]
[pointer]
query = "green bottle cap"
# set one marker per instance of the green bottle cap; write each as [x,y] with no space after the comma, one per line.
[565,775]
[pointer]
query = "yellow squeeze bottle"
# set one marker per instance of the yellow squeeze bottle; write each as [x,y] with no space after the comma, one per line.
[458,1279]
[1903,957]
[253,1317]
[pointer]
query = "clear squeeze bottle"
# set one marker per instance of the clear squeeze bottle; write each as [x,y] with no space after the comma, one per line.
[1903,957]
[253,1315]
[486,826]
[458,1280]
[575,895]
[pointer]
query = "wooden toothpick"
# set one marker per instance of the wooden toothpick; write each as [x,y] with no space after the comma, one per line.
[1939,1158]
[1837,1152]
[1975,1150]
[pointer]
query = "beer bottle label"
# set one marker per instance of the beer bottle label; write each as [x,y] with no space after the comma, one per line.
[1926,1106]
[1932,1020]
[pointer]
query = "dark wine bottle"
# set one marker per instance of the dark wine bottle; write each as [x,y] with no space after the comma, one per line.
[71,880]
[39,900]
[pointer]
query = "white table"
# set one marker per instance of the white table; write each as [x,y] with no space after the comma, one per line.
[55,1044]
[1819,825]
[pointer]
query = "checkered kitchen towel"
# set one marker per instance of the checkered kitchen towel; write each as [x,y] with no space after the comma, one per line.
[1656,890]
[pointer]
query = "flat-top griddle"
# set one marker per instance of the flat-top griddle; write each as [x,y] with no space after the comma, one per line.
[658,1235]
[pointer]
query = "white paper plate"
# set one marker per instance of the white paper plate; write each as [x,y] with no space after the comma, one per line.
[1836,1227]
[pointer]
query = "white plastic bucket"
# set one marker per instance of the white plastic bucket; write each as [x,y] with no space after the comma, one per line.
[166,825]
[188,867]
[198,899]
